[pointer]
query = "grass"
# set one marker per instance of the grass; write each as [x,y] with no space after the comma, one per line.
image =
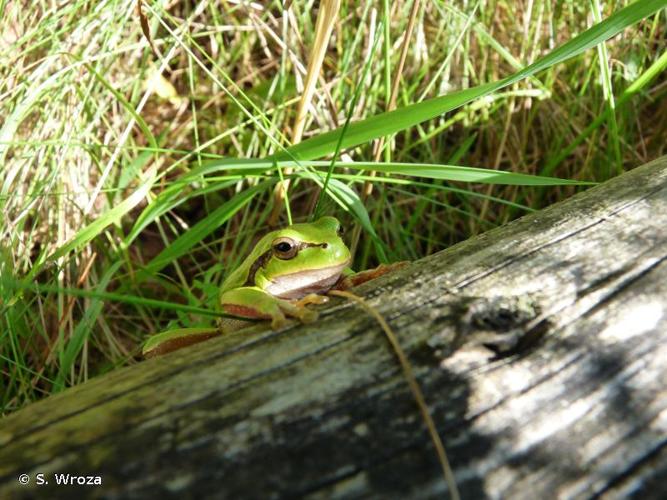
[131,183]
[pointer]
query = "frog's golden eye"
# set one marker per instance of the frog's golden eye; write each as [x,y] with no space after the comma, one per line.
[285,248]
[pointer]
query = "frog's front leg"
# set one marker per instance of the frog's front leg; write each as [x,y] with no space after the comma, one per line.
[351,279]
[254,303]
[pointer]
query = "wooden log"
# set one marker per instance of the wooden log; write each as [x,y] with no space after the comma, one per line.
[541,347]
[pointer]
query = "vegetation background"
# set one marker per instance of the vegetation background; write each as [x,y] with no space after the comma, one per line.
[116,223]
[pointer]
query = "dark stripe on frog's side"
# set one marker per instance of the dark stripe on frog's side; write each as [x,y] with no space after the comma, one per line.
[261,261]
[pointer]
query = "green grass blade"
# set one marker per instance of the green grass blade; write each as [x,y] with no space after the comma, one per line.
[21,110]
[642,81]
[408,116]
[608,89]
[429,170]
[348,198]
[169,199]
[429,187]
[115,297]
[98,225]
[141,123]
[69,353]
[201,230]
[463,174]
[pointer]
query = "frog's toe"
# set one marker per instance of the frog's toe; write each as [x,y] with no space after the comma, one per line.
[368,275]
[307,316]
[278,321]
[312,298]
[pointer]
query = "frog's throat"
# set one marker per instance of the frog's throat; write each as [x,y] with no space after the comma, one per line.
[297,285]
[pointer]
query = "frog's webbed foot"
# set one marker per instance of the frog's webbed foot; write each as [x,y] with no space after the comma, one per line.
[299,310]
[278,319]
[370,274]
[312,298]
[249,302]
[282,308]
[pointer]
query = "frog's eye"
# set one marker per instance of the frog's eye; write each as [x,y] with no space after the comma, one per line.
[285,248]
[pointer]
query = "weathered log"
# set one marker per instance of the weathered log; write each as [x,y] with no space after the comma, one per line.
[541,347]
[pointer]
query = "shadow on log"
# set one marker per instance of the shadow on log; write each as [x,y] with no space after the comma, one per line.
[540,347]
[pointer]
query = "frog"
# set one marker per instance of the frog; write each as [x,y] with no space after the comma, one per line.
[287,270]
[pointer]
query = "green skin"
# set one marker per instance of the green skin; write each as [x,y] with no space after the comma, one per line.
[286,270]
[270,284]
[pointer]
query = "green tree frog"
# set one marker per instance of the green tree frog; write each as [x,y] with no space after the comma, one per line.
[288,269]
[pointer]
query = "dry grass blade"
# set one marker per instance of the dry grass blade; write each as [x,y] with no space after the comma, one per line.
[414,388]
[70,305]
[377,148]
[326,18]
[379,143]
[323,29]
[145,29]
